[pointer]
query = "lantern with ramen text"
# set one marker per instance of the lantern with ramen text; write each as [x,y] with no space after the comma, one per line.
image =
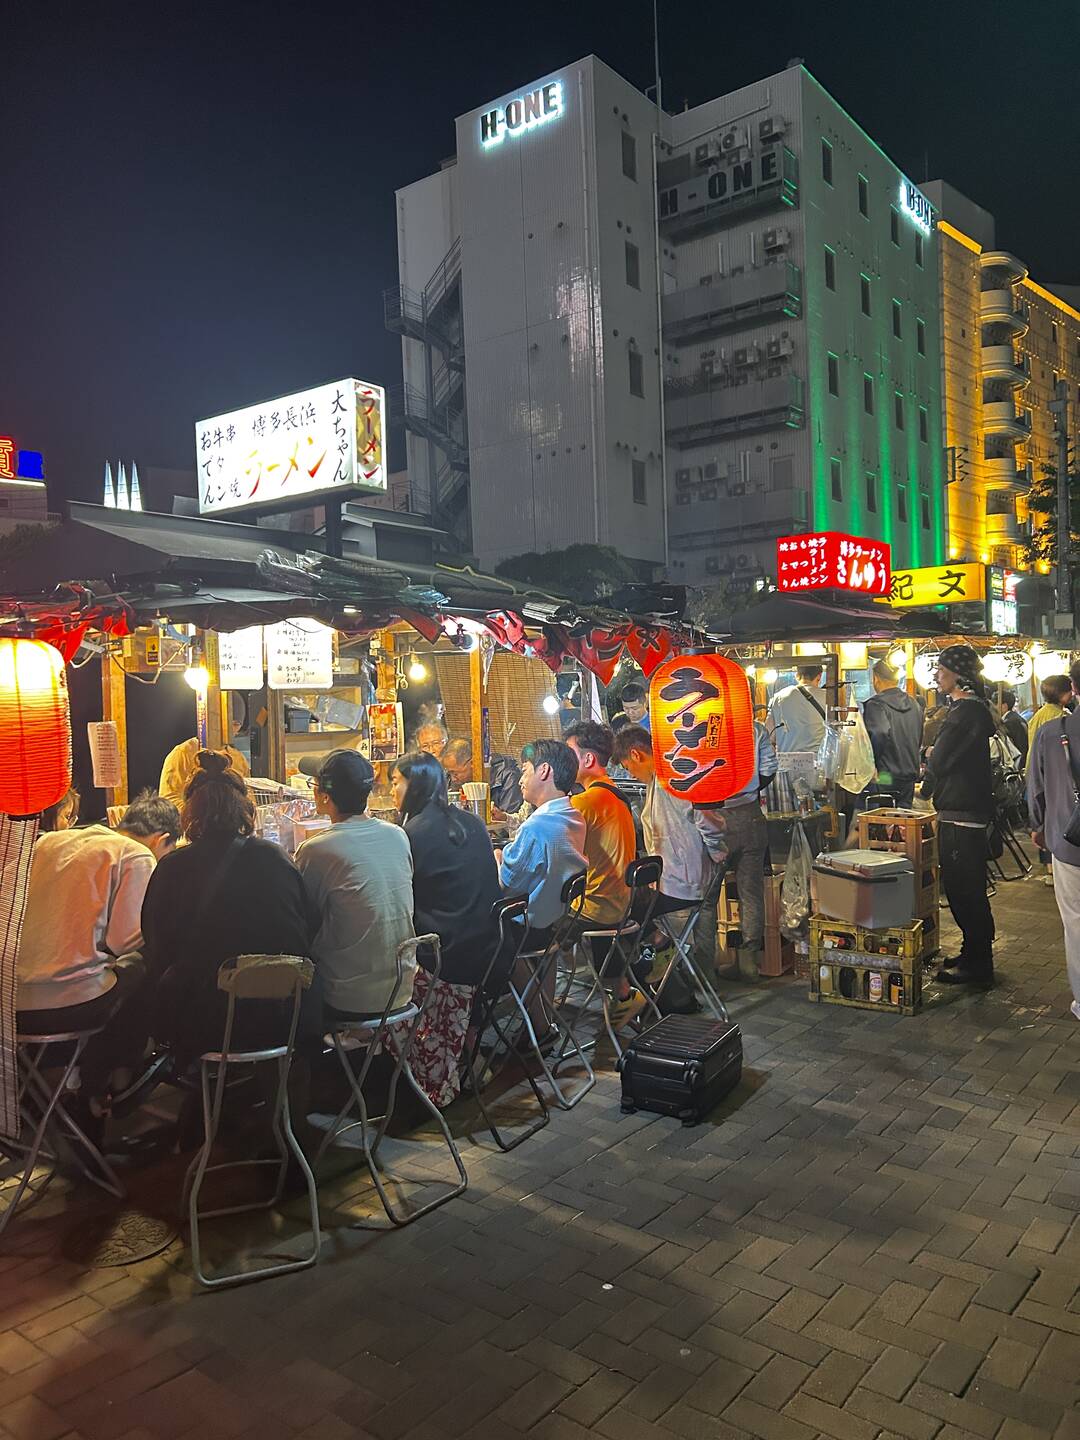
[702,721]
[35,727]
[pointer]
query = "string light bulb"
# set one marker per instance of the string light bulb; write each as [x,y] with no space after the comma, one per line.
[198,677]
[550,704]
[770,677]
[417,670]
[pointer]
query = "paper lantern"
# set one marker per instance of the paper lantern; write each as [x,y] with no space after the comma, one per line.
[702,727]
[35,727]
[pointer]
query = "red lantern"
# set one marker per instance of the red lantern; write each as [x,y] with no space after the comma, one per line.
[35,727]
[702,721]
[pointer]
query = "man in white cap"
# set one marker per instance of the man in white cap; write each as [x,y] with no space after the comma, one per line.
[959,781]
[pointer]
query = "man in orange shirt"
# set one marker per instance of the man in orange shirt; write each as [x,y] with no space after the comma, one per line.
[610,845]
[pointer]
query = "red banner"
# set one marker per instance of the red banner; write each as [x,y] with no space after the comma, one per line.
[598,649]
[649,648]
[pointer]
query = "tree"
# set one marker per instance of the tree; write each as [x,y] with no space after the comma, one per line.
[1042,503]
[20,539]
[585,573]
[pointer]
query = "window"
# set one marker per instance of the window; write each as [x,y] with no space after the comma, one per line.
[894,226]
[826,162]
[864,196]
[637,374]
[898,410]
[897,319]
[924,425]
[864,293]
[871,493]
[901,503]
[868,394]
[920,336]
[918,250]
[633,265]
[837,480]
[834,375]
[830,269]
[637,470]
[924,506]
[629,156]
[1053,332]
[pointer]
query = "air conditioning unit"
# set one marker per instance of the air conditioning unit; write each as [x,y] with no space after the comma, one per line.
[781,346]
[701,154]
[776,239]
[682,477]
[744,560]
[734,139]
[771,128]
[683,499]
[712,470]
[736,487]
[705,280]
[708,492]
[712,564]
[746,356]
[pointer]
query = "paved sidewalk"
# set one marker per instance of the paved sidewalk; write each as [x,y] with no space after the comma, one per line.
[878,1235]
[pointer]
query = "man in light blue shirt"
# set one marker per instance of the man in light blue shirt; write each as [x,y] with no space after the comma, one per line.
[797,714]
[550,846]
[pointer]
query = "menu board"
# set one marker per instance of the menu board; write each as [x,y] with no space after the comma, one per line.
[240,659]
[299,655]
[105,755]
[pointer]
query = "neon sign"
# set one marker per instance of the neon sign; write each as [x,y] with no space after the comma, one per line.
[917,208]
[831,561]
[20,466]
[524,112]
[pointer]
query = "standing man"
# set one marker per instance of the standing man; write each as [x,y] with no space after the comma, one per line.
[894,722]
[1014,725]
[796,715]
[959,781]
[1056,689]
[1053,786]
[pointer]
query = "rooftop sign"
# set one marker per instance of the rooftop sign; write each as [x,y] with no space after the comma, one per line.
[524,112]
[831,561]
[915,205]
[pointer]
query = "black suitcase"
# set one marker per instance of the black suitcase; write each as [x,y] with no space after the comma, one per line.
[683,1065]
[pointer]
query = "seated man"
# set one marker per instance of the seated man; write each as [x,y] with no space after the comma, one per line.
[635,701]
[690,872]
[82,913]
[610,845]
[550,846]
[358,877]
[505,775]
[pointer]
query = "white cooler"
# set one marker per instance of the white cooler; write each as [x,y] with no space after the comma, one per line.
[872,888]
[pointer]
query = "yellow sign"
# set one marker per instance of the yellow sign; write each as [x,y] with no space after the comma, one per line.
[153,650]
[939,585]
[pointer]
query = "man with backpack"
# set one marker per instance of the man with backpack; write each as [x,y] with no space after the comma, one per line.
[1054,804]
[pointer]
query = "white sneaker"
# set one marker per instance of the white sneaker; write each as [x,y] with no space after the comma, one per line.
[1048,880]
[1075,1008]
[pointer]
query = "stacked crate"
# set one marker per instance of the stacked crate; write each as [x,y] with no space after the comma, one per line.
[866,969]
[779,957]
[912,833]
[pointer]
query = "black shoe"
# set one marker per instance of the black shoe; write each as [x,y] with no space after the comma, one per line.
[963,975]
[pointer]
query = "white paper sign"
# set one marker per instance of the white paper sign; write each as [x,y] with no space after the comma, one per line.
[105,754]
[299,655]
[240,659]
[328,438]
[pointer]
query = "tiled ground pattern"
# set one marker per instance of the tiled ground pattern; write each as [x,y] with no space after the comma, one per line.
[877,1236]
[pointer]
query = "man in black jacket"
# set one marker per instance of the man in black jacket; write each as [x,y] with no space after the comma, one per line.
[1014,725]
[958,780]
[894,722]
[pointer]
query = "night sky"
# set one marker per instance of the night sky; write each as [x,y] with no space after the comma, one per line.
[199,200]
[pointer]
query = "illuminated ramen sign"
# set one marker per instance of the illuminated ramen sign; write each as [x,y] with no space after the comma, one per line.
[523,113]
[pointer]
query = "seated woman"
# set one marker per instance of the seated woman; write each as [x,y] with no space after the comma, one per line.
[223,894]
[455,885]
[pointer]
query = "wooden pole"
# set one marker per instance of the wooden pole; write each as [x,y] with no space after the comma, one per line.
[114,708]
[476,711]
[217,728]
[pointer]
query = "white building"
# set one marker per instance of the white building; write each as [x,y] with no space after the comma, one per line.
[797,285]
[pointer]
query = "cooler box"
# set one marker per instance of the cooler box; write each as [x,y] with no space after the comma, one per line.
[872,888]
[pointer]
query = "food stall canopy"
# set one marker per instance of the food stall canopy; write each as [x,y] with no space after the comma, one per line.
[777,616]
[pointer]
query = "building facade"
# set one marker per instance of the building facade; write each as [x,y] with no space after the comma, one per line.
[772,365]
[1006,343]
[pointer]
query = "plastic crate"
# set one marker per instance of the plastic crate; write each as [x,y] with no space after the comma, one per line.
[905,832]
[841,982]
[902,941]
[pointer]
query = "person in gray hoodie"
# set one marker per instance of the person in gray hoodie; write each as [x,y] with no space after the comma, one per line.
[894,722]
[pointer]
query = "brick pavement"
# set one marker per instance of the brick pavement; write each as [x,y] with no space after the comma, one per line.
[877,1236]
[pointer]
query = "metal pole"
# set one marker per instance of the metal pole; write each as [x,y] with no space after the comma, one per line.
[659,285]
[1060,408]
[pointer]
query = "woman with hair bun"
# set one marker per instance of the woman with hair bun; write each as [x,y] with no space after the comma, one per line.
[225,893]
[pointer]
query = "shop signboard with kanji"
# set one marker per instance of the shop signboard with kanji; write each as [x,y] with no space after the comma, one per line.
[299,655]
[946,584]
[331,439]
[833,561]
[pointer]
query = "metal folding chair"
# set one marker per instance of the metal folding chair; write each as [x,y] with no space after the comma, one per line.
[245,978]
[44,1111]
[624,939]
[393,1031]
[498,985]
[681,936]
[542,962]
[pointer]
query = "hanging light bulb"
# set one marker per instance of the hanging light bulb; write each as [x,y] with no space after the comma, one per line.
[550,704]
[898,658]
[417,669]
[198,677]
[770,677]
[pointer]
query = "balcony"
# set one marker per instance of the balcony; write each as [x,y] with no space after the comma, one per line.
[998,362]
[1000,417]
[732,302]
[1002,474]
[1003,529]
[998,307]
[698,525]
[697,412]
[1008,267]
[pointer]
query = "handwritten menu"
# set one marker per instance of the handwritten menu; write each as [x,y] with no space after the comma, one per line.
[105,754]
[240,659]
[299,655]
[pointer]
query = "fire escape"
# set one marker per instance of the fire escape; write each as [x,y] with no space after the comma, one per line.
[435,412]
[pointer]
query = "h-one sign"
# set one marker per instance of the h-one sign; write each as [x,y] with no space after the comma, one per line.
[523,113]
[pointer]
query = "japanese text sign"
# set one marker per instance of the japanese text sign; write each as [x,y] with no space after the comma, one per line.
[240,659]
[938,585]
[704,744]
[832,561]
[299,655]
[329,438]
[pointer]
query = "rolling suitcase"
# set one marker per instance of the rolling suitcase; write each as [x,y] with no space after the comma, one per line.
[683,1066]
